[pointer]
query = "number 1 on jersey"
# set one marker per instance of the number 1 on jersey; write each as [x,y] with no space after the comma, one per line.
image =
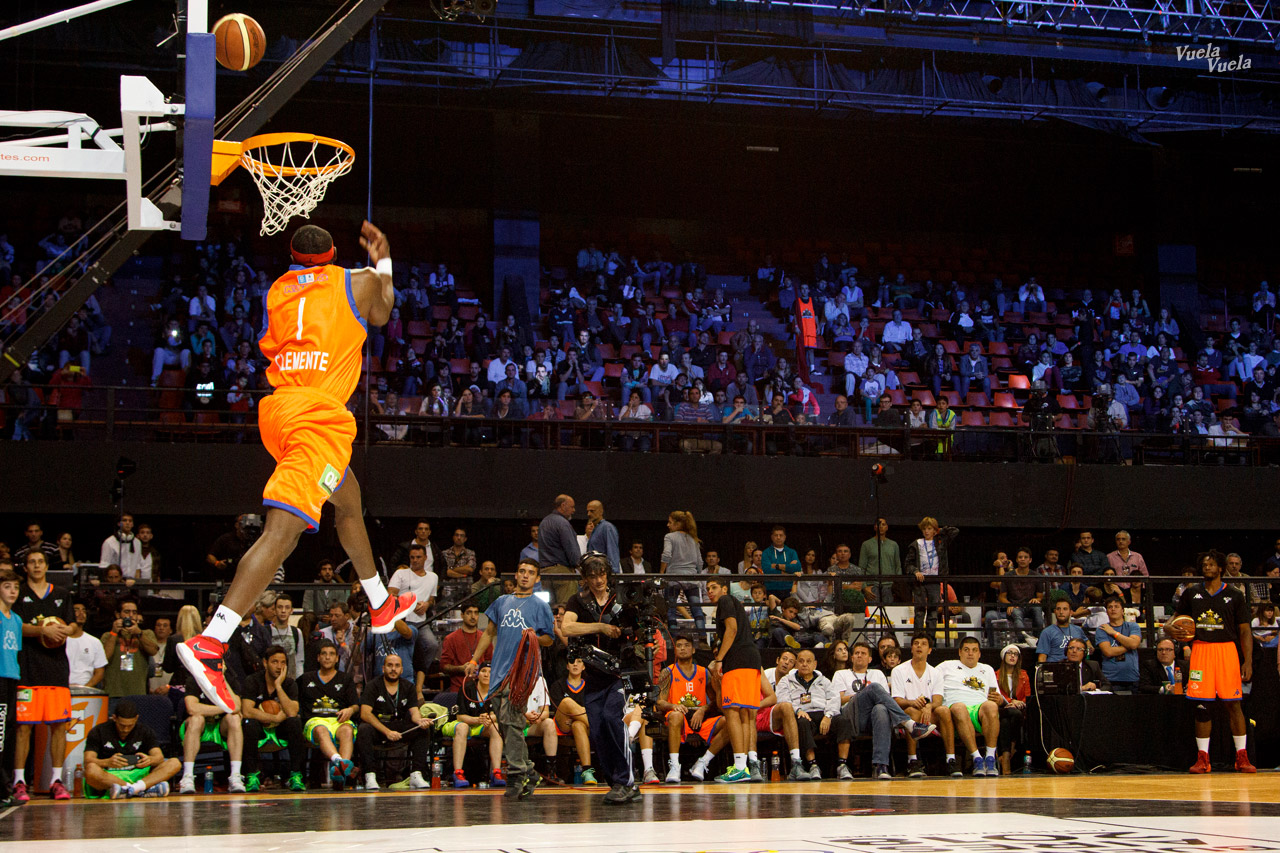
[302,303]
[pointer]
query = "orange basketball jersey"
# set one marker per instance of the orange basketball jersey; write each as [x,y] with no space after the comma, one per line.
[315,333]
[687,689]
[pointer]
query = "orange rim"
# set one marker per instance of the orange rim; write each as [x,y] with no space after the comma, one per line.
[268,139]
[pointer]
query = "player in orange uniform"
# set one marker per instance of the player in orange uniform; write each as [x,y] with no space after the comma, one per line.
[317,318]
[683,686]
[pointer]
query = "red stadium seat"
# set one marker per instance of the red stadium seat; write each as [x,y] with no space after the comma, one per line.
[924,396]
[1004,400]
[971,418]
[1002,419]
[1068,401]
[1019,382]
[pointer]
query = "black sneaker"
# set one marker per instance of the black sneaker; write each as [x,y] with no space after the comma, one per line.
[515,786]
[633,793]
[531,783]
[915,770]
[618,795]
[953,767]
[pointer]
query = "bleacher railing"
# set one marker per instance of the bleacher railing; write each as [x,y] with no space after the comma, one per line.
[176,414]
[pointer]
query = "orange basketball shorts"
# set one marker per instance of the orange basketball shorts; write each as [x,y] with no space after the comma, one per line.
[706,731]
[309,433]
[43,704]
[740,688]
[1215,672]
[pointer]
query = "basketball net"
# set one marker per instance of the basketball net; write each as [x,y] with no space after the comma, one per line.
[293,176]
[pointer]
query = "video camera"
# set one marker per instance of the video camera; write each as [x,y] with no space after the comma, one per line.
[638,608]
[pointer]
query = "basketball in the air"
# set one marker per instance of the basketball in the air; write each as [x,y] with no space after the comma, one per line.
[1181,628]
[51,644]
[270,706]
[240,42]
[1061,761]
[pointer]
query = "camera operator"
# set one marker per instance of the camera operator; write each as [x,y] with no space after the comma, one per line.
[229,548]
[1039,413]
[1107,417]
[127,647]
[596,611]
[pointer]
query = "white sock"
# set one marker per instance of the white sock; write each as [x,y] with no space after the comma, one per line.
[138,788]
[977,756]
[991,752]
[795,756]
[751,755]
[19,775]
[223,624]
[646,755]
[740,761]
[57,773]
[235,768]
[706,759]
[335,758]
[673,759]
[1241,741]
[633,728]
[951,756]
[188,770]
[1202,744]
[375,590]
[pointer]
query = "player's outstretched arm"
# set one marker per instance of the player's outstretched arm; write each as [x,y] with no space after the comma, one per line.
[373,289]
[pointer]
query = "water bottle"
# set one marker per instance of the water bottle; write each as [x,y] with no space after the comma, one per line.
[1026,762]
[78,785]
[208,780]
[437,770]
[577,774]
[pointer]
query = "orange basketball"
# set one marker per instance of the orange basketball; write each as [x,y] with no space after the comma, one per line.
[1061,761]
[1181,628]
[270,706]
[240,42]
[51,620]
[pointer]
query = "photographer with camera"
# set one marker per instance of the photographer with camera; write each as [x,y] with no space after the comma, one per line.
[228,549]
[596,611]
[128,649]
[1107,417]
[1039,413]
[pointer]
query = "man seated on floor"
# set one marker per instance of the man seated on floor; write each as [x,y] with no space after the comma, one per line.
[328,701]
[682,697]
[912,685]
[541,723]
[123,759]
[1052,645]
[206,723]
[816,703]
[867,706]
[571,716]
[389,714]
[475,718]
[796,626]
[269,705]
[969,691]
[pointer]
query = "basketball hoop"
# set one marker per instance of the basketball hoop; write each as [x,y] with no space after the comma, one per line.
[292,171]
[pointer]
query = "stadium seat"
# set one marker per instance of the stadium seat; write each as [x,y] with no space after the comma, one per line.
[972,419]
[1019,382]
[1004,400]
[924,396]
[1068,401]
[1002,419]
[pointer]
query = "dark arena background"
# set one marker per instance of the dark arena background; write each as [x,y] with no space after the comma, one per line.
[716,284]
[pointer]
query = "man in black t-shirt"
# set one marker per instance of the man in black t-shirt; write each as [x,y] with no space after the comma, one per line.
[736,668]
[205,723]
[594,611]
[328,701]
[277,723]
[123,759]
[389,714]
[44,694]
[1221,656]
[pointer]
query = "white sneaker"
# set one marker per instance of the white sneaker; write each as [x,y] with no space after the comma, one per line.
[416,781]
[370,782]
[187,785]
[699,771]
[815,775]
[843,773]
[673,775]
[235,784]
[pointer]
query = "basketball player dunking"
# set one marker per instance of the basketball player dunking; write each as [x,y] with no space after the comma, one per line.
[317,318]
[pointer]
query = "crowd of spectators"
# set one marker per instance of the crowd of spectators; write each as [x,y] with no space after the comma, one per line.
[311,674]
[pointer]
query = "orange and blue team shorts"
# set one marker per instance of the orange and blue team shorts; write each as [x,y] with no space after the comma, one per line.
[740,688]
[1215,672]
[42,704]
[309,433]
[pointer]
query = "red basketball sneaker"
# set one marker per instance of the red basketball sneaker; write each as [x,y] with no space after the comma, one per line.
[202,656]
[384,617]
[1202,763]
[1243,765]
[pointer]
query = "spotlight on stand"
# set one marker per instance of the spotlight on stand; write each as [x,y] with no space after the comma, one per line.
[124,469]
[1160,97]
[880,473]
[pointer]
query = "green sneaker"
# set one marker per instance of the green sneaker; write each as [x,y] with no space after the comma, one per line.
[253,782]
[589,776]
[295,783]
[734,774]
[402,785]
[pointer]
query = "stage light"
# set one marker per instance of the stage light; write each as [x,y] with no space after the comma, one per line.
[993,83]
[1159,97]
[1099,91]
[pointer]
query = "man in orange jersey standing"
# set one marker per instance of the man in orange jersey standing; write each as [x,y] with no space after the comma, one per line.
[317,319]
